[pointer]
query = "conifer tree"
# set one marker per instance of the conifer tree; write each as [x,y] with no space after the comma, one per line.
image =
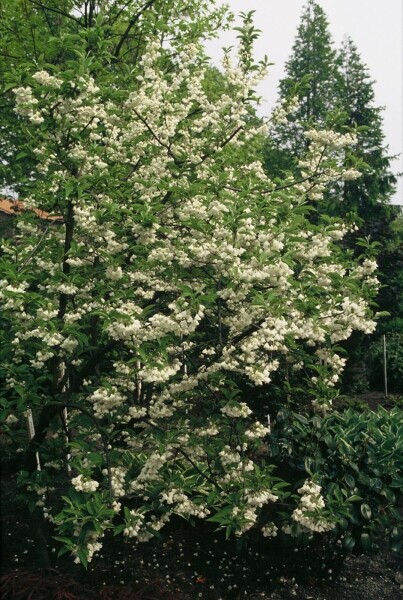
[314,63]
[368,196]
[336,92]
[313,54]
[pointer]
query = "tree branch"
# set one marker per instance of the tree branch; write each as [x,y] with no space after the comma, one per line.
[130,27]
[113,21]
[67,245]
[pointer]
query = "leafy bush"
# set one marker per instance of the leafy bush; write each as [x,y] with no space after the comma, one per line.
[358,457]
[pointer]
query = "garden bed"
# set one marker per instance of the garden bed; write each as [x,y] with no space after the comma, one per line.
[187,563]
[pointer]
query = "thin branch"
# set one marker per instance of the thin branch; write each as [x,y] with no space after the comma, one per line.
[48,22]
[113,21]
[131,25]
[31,31]
[57,11]
[26,261]
[224,143]
[9,55]
[194,465]
[91,12]
[187,457]
[166,146]
[288,185]
[67,245]
[101,430]
[87,369]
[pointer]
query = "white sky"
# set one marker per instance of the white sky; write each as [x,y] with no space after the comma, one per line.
[376,28]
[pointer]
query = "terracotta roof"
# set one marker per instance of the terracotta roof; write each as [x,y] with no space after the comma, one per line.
[13,207]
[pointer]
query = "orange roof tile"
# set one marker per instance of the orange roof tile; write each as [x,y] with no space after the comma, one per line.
[13,207]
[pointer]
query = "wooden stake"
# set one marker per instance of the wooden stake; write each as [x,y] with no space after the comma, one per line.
[385,371]
[31,433]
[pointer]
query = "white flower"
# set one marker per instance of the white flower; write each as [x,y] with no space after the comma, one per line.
[82,484]
[257,430]
[11,419]
[259,498]
[44,78]
[240,410]
[118,475]
[269,530]
[114,273]
[308,514]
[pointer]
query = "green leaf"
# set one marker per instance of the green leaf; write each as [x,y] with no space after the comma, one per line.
[64,540]
[95,458]
[366,541]
[118,529]
[221,514]
[349,479]
[366,511]
[82,555]
[62,551]
[348,542]
[301,419]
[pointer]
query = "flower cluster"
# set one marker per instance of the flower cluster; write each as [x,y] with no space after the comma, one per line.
[240,410]
[92,545]
[269,530]
[259,498]
[117,475]
[83,484]
[134,523]
[26,105]
[256,431]
[309,512]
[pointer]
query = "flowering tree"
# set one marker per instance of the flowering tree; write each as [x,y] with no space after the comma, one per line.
[174,271]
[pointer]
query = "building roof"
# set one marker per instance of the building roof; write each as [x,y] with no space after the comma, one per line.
[13,207]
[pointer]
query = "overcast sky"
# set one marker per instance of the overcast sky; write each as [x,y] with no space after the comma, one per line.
[374,25]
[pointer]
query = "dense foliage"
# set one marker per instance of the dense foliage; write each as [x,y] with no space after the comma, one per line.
[360,457]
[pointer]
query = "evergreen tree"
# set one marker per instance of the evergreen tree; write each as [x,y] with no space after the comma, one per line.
[368,196]
[313,58]
[339,95]
[313,54]
[367,199]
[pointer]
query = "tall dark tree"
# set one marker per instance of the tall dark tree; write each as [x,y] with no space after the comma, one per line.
[313,54]
[367,197]
[313,57]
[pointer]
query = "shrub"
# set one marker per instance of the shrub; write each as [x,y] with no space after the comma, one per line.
[358,459]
